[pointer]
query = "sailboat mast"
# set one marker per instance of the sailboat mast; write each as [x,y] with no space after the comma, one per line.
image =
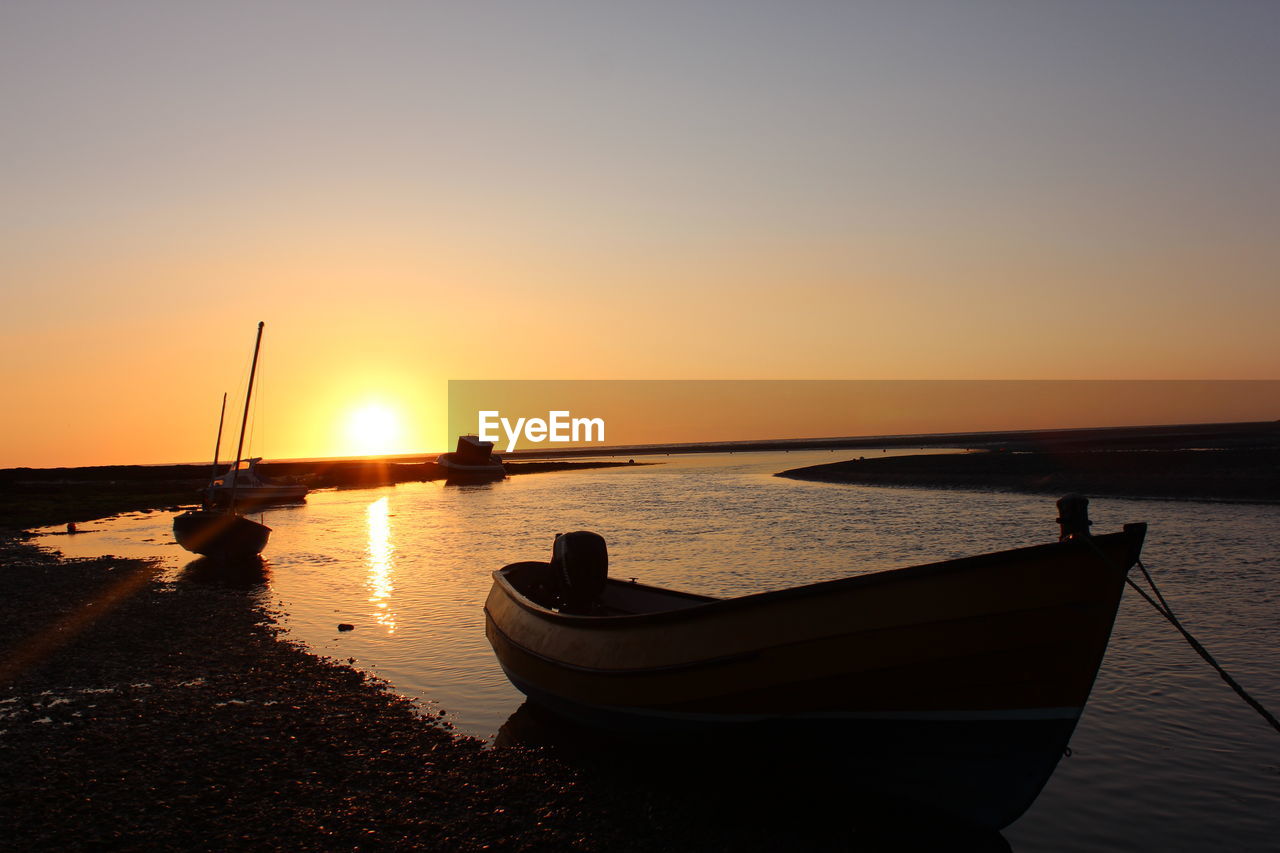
[217,446]
[244,419]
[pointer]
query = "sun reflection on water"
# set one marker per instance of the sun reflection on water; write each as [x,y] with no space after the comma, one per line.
[381,552]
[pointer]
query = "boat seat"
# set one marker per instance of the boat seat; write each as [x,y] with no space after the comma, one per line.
[579,569]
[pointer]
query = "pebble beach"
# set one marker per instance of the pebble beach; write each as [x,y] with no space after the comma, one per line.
[143,715]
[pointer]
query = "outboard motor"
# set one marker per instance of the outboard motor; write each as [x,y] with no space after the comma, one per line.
[579,568]
[1073,517]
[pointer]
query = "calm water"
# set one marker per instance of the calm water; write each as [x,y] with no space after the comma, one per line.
[1166,757]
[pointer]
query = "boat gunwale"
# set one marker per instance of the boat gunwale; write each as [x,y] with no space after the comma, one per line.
[1134,534]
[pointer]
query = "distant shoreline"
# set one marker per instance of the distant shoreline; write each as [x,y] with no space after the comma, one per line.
[1247,433]
[1151,437]
[32,497]
[1240,475]
[40,497]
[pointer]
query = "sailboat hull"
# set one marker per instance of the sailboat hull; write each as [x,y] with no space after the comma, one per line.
[219,534]
[249,496]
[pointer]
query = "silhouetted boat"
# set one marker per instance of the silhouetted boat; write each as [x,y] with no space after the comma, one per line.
[224,533]
[956,684]
[251,488]
[219,533]
[473,462]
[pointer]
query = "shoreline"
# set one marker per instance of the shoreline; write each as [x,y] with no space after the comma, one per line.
[1225,475]
[37,497]
[1239,434]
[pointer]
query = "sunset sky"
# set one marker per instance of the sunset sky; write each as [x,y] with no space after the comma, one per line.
[412,192]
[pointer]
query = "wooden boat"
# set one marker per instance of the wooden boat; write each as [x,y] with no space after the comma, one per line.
[955,684]
[251,488]
[223,533]
[473,462]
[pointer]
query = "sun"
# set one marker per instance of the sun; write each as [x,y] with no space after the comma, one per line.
[373,429]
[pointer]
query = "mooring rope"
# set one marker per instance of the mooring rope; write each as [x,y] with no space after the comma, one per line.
[1166,611]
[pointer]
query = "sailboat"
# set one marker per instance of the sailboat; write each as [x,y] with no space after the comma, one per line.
[251,488]
[223,533]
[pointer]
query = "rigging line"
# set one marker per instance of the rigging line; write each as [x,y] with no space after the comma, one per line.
[262,435]
[253,417]
[1167,613]
[243,381]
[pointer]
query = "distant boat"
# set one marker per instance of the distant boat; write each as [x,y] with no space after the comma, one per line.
[251,488]
[224,533]
[956,684]
[473,462]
